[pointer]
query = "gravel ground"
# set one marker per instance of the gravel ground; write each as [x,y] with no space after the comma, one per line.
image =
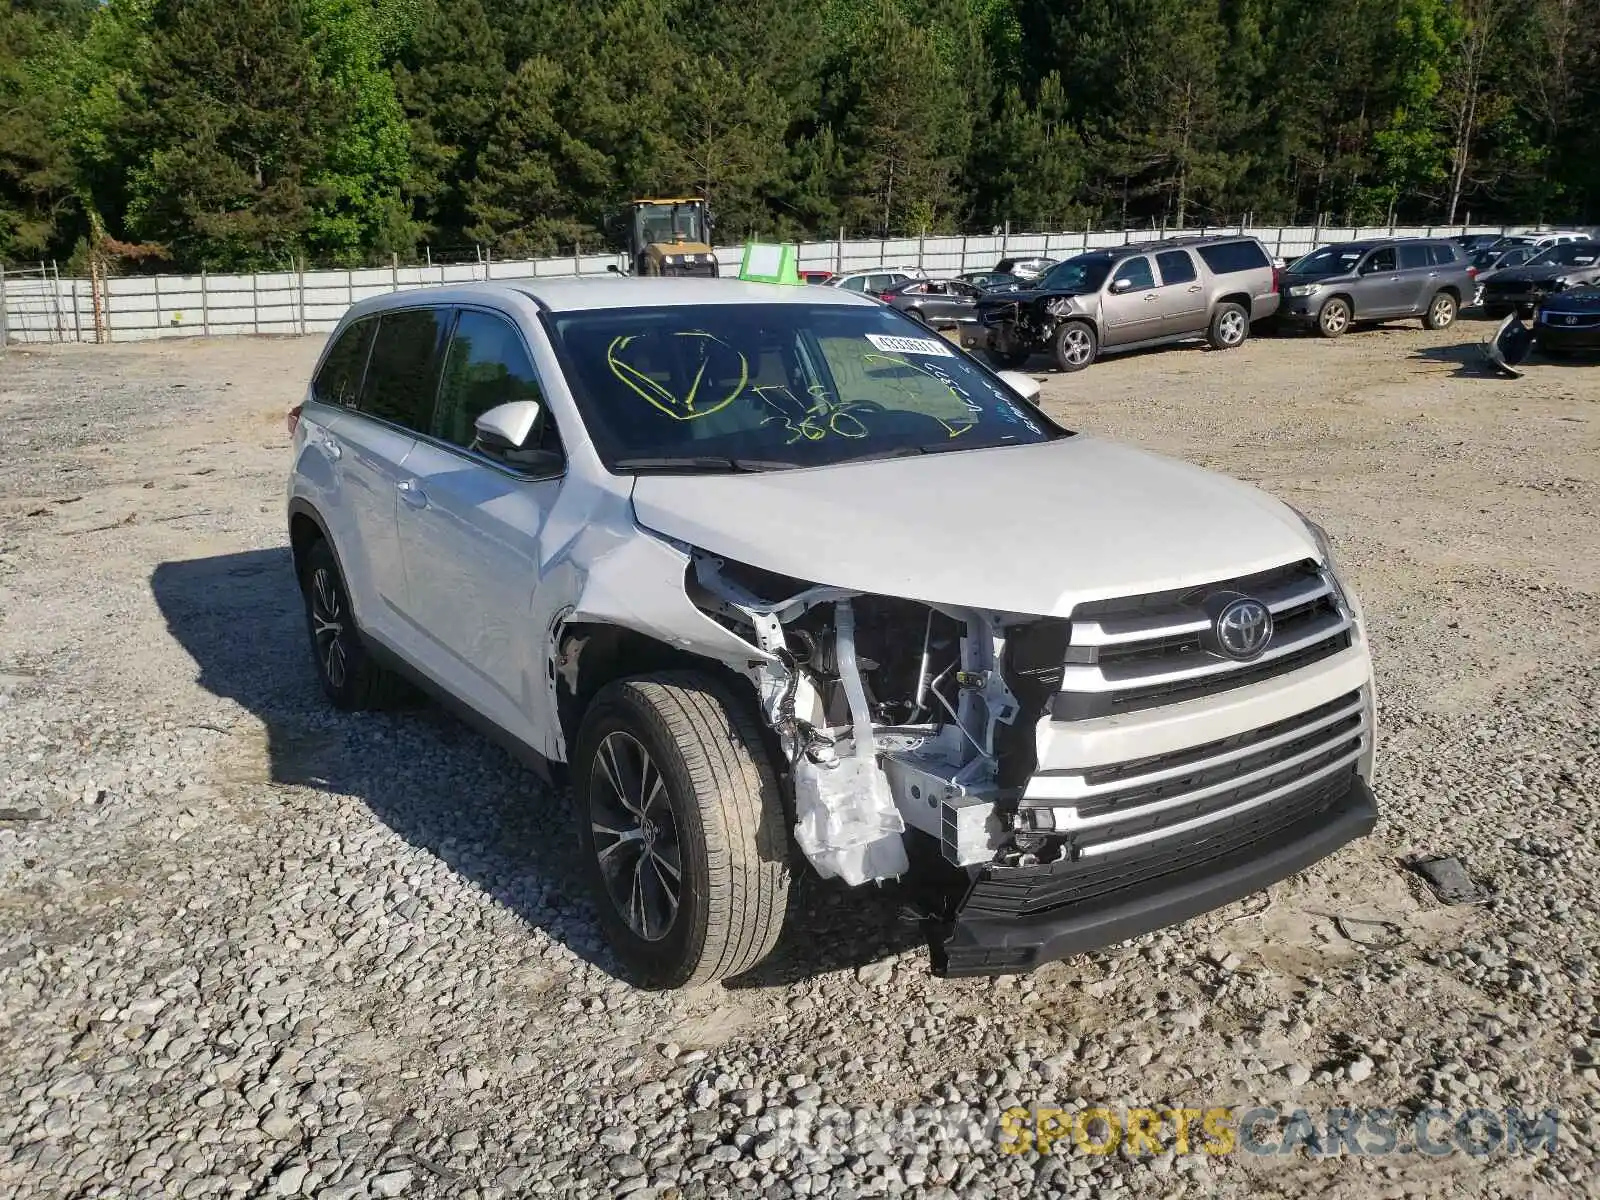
[252,947]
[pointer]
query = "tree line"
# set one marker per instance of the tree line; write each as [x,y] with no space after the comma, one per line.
[235,134]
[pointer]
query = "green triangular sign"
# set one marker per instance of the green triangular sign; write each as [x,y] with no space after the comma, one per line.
[770,262]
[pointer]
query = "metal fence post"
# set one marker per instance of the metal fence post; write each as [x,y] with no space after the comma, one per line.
[302,279]
[205,305]
[394,272]
[157,324]
[255,302]
[4,330]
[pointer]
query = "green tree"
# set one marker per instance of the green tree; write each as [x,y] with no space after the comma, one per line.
[449,79]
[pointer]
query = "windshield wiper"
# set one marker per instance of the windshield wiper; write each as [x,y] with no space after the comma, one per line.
[701,462]
[897,452]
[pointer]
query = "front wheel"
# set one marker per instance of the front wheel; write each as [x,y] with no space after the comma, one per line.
[1230,326]
[1075,345]
[682,828]
[1441,312]
[1334,319]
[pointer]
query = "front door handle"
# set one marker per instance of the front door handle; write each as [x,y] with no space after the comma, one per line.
[1151,298]
[1196,288]
[413,495]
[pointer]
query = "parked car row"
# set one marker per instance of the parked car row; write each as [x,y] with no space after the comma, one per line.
[1218,288]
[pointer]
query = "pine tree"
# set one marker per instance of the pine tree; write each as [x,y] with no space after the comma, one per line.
[449,80]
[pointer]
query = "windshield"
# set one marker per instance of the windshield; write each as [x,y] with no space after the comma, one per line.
[728,387]
[1330,260]
[670,222]
[1083,274]
[1568,254]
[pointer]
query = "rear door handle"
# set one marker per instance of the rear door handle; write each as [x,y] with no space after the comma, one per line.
[413,495]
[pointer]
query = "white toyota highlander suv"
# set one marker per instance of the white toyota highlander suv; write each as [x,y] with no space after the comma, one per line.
[759,567]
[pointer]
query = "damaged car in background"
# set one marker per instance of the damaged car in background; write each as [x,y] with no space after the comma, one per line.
[778,580]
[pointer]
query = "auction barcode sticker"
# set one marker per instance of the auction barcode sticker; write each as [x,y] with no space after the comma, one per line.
[910,345]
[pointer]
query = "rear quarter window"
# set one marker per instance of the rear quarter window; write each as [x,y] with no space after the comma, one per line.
[339,380]
[1227,257]
[1443,255]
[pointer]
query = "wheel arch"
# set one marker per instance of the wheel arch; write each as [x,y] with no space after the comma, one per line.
[307,526]
[1243,299]
[591,654]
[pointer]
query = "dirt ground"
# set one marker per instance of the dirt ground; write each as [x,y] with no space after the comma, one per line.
[173,799]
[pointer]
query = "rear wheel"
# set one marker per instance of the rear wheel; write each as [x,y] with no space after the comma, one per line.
[682,827]
[1334,318]
[350,678]
[1230,326]
[1441,312]
[1075,345]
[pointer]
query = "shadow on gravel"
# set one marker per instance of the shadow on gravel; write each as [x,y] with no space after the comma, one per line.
[443,787]
[1467,357]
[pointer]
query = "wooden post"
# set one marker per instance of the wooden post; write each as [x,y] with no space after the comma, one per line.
[838,253]
[577,258]
[77,320]
[427,255]
[205,305]
[156,279]
[255,302]
[97,282]
[488,262]
[394,272]
[4,331]
[302,278]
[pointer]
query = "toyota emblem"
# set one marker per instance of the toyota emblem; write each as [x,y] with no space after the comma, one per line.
[1242,629]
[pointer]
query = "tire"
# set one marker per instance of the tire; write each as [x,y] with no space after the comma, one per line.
[1007,360]
[711,799]
[1230,327]
[1074,345]
[350,678]
[1333,318]
[916,314]
[1441,312]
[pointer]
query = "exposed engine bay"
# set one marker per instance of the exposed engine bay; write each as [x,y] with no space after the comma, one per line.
[1016,326]
[894,716]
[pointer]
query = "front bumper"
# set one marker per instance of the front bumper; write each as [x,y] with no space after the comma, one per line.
[1008,923]
[1555,334]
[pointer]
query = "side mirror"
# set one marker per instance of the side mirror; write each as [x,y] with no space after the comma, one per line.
[507,426]
[1118,286]
[1024,385]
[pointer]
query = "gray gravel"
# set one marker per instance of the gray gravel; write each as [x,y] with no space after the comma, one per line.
[252,947]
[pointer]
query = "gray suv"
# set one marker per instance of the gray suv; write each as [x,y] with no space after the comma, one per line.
[1335,286]
[1129,297]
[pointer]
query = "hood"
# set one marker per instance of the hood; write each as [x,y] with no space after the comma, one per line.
[1032,530]
[1578,299]
[1543,273]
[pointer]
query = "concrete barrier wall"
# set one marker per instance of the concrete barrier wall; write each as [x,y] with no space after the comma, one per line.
[36,307]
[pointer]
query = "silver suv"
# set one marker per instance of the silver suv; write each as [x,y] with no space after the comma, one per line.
[778,580]
[1335,286]
[1129,297]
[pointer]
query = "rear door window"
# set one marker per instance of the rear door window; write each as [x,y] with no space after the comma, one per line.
[1176,267]
[1227,257]
[1414,256]
[1442,255]
[339,380]
[403,373]
[487,365]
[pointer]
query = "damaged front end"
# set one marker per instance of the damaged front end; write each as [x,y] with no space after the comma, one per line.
[908,728]
[1024,323]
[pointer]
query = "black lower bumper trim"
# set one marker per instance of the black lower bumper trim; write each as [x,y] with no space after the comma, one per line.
[989,946]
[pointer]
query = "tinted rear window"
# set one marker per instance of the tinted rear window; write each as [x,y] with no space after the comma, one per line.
[1228,257]
[403,373]
[339,381]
